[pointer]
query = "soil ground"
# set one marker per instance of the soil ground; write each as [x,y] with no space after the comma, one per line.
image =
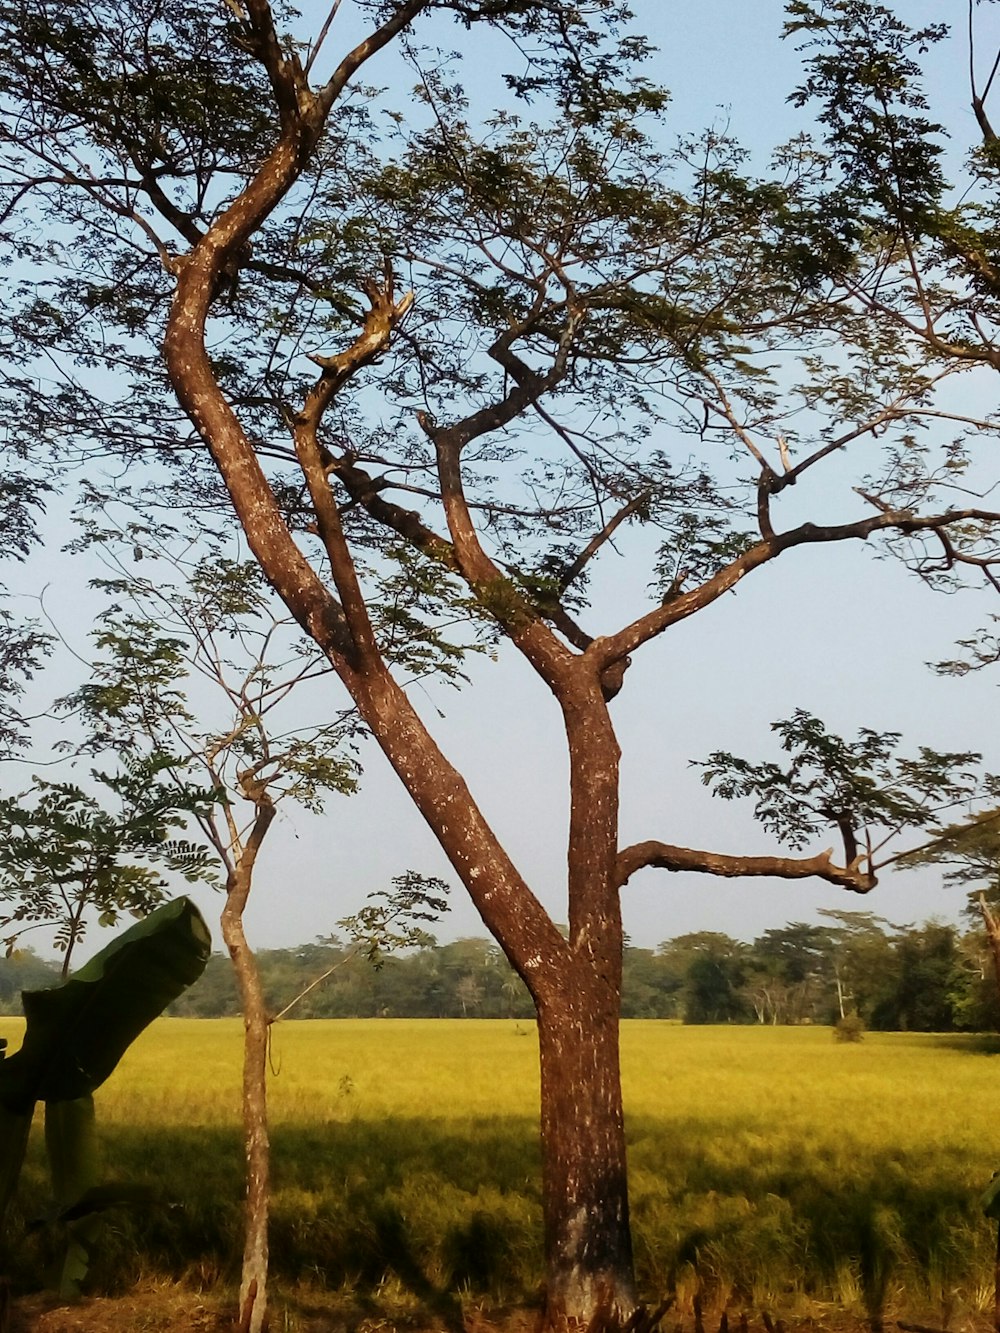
[175,1309]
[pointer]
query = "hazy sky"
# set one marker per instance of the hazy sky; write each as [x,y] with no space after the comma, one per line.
[831,630]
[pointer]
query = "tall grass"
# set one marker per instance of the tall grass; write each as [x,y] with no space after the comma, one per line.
[769,1167]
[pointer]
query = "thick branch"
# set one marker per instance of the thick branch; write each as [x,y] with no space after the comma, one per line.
[364,50]
[664,856]
[989,134]
[503,899]
[979,102]
[617,646]
[382,317]
[193,378]
[513,611]
[383,314]
[284,72]
[366,491]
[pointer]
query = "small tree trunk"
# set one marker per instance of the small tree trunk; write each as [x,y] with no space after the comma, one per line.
[588,1245]
[992,935]
[253,1282]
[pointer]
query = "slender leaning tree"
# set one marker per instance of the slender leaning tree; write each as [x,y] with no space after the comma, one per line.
[437,364]
[188,616]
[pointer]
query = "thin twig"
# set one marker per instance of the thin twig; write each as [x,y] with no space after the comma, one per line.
[348,957]
[322,37]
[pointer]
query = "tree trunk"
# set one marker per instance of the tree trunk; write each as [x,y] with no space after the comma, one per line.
[253,1281]
[588,1245]
[257,1150]
[992,936]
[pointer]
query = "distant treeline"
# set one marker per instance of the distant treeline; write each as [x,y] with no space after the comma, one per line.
[928,978]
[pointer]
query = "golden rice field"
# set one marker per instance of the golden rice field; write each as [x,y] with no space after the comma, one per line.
[770,1167]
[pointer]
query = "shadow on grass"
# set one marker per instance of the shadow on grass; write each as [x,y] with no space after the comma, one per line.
[432,1208]
[860,1228]
[428,1209]
[971,1043]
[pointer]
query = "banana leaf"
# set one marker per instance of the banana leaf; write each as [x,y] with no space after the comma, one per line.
[75,1035]
[71,1146]
[77,1032]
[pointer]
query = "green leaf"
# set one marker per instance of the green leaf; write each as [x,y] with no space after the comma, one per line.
[76,1033]
[71,1144]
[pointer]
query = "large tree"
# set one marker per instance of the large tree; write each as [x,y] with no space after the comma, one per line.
[441,362]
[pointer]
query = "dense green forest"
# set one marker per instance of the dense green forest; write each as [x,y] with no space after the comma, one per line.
[927,978]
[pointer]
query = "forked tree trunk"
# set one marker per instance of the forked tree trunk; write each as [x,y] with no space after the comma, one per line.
[588,1245]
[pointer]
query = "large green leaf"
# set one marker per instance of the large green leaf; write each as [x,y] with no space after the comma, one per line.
[71,1144]
[76,1033]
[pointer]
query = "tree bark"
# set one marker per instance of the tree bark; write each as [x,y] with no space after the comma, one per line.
[992,936]
[588,1244]
[253,1280]
[257,1150]
[256,1144]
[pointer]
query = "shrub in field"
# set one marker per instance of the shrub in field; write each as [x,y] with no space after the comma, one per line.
[850,1028]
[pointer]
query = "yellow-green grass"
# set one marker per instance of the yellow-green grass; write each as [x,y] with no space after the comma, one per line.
[768,1165]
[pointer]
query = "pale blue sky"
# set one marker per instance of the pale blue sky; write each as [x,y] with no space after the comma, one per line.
[836,632]
[830,630]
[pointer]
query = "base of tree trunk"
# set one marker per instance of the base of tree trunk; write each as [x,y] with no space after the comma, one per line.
[607,1317]
[590,1282]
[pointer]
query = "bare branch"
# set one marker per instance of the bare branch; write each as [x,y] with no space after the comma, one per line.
[664,856]
[321,38]
[364,50]
[601,538]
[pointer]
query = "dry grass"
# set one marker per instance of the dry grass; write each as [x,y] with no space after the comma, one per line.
[772,1168]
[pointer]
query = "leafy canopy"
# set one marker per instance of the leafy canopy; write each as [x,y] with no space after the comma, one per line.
[68,850]
[864,789]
